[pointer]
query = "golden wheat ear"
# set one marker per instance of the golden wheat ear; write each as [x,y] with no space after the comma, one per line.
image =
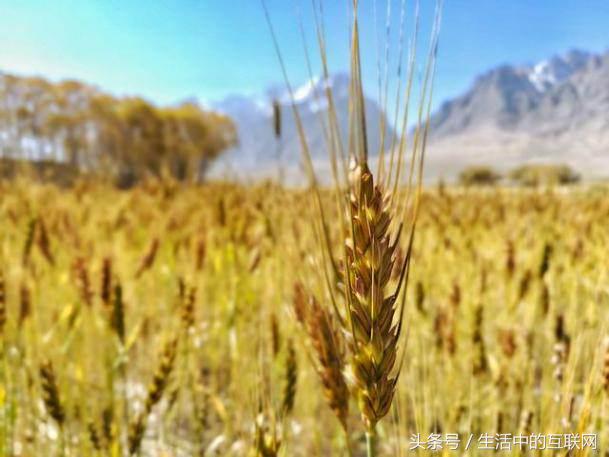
[2,303]
[156,389]
[375,311]
[372,213]
[291,379]
[328,346]
[50,393]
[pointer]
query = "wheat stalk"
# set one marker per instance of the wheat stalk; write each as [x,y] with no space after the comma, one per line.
[605,368]
[275,335]
[187,309]
[291,378]
[266,440]
[106,282]
[327,341]
[51,399]
[84,283]
[94,436]
[117,320]
[371,308]
[156,389]
[44,242]
[50,393]
[25,304]
[148,259]
[2,303]
[29,241]
[372,224]
[480,362]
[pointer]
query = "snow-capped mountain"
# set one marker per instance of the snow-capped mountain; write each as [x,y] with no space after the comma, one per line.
[556,110]
[548,73]
[504,95]
[312,94]
[260,153]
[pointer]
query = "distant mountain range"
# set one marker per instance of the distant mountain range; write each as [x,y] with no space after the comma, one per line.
[259,152]
[556,110]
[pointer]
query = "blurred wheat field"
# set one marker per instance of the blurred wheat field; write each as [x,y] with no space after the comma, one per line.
[159,321]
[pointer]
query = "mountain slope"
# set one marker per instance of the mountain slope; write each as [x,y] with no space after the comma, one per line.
[553,111]
[259,153]
[504,96]
[556,110]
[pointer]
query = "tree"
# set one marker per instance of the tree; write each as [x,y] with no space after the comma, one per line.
[478,176]
[194,138]
[128,138]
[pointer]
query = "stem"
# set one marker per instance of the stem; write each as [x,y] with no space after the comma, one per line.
[6,406]
[62,441]
[122,373]
[348,443]
[371,443]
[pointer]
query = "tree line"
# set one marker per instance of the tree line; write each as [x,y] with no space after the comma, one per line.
[127,138]
[524,175]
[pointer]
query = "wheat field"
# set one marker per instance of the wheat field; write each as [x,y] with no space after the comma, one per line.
[164,321]
[371,317]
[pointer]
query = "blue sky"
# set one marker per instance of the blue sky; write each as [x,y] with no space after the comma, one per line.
[168,51]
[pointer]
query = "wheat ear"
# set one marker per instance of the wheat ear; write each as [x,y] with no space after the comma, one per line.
[371,308]
[155,393]
[327,341]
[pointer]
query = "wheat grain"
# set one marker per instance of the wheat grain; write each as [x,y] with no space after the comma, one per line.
[50,393]
[329,347]
[106,282]
[187,312]
[44,242]
[544,264]
[82,276]
[148,259]
[25,304]
[291,378]
[29,241]
[480,362]
[275,335]
[94,436]
[605,371]
[156,388]
[2,303]
[118,312]
[371,309]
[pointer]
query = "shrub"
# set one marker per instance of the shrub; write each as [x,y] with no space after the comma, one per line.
[544,174]
[479,176]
